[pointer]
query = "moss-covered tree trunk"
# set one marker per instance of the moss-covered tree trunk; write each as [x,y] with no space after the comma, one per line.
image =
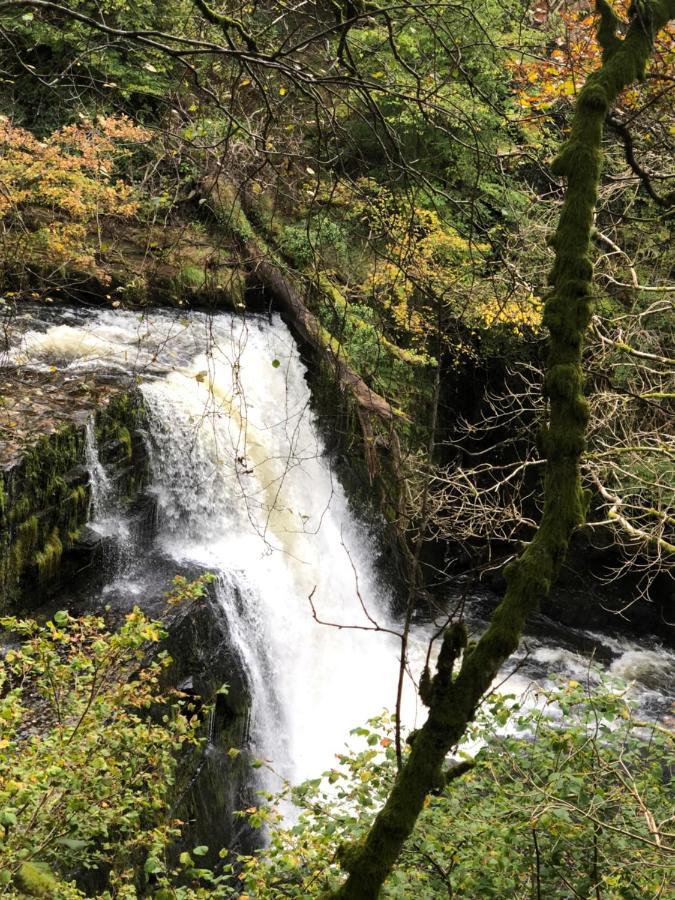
[452,700]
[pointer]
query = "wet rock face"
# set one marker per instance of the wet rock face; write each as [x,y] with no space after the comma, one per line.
[593,595]
[213,781]
[580,600]
[593,592]
[50,558]
[45,495]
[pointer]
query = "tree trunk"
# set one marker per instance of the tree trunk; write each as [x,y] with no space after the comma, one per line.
[306,324]
[567,313]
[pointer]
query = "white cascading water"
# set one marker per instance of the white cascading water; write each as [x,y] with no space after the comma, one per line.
[244,490]
[105,506]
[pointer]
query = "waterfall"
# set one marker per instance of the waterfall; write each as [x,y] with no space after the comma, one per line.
[244,489]
[105,504]
[100,486]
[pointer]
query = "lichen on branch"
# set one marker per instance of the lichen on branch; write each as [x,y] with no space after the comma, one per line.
[567,314]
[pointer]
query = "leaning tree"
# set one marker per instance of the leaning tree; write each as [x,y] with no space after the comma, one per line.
[312,53]
[452,696]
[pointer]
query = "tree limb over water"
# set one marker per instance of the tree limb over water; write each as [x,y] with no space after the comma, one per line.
[567,315]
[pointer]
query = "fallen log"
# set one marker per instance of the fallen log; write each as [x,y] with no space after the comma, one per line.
[264,264]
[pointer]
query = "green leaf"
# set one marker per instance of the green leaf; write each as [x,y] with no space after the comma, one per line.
[561,814]
[202,850]
[152,865]
[61,617]
[72,843]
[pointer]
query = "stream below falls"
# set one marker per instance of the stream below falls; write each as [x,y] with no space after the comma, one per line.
[244,488]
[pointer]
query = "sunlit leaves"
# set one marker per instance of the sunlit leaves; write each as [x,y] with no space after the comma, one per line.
[86,772]
[544,78]
[55,191]
[561,772]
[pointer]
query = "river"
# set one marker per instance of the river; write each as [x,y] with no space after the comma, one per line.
[244,488]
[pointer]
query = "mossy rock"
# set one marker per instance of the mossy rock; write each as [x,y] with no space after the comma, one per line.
[44,497]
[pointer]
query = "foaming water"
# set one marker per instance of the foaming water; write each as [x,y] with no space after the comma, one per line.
[655,669]
[245,490]
[105,517]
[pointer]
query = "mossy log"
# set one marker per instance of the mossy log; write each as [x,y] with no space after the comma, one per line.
[453,699]
[308,327]
[376,414]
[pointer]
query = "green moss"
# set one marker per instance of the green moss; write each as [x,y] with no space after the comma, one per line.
[22,548]
[193,277]
[228,211]
[609,24]
[28,531]
[20,509]
[115,425]
[78,496]
[73,537]
[48,559]
[43,510]
[124,437]
[35,494]
[75,514]
[36,880]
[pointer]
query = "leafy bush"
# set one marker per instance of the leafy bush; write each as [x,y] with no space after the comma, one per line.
[569,798]
[89,743]
[320,242]
[55,191]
